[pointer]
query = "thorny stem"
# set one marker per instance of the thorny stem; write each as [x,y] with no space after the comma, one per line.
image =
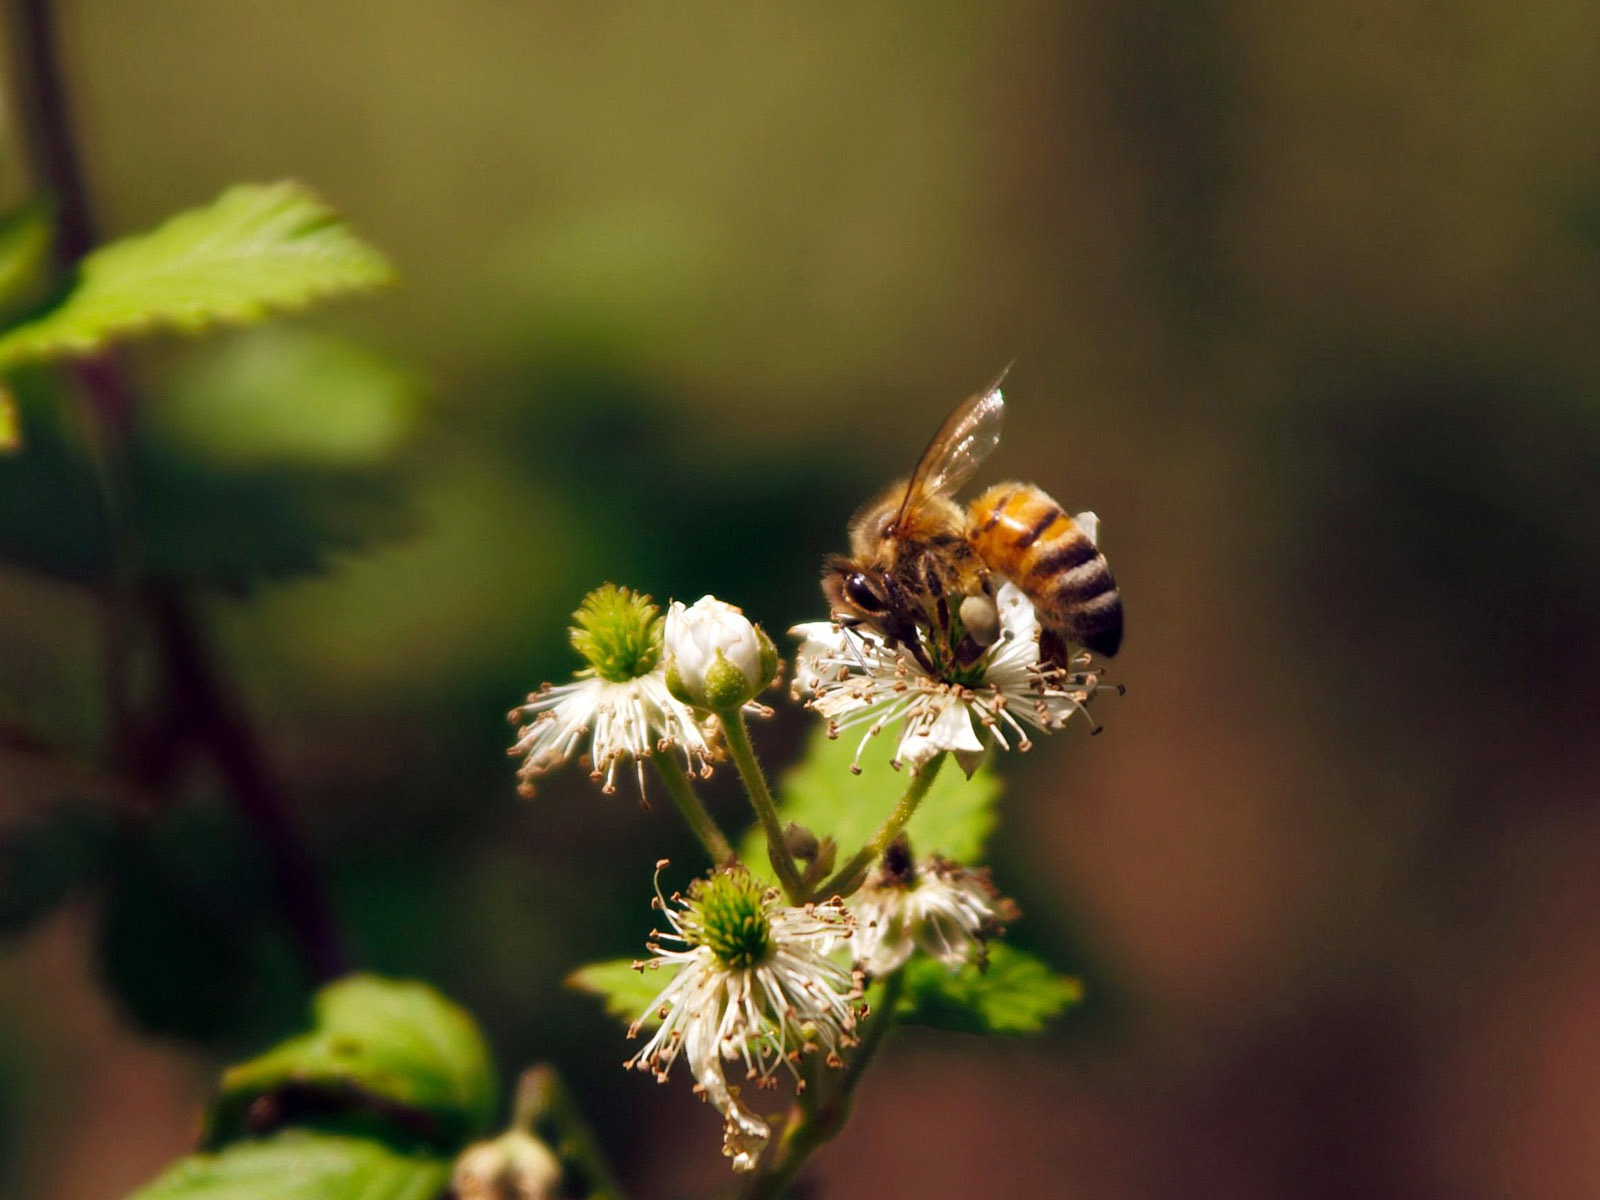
[681,789]
[744,757]
[543,1096]
[203,710]
[848,878]
[816,1124]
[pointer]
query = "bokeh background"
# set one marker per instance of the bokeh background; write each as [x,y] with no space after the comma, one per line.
[1303,301]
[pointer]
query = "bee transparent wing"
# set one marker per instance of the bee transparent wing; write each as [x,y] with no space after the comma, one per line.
[966,438]
[1090,524]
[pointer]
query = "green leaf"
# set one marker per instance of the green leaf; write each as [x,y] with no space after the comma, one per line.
[1017,994]
[625,992]
[259,249]
[400,1044]
[305,1166]
[955,819]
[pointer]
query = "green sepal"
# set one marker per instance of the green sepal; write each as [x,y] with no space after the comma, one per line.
[727,687]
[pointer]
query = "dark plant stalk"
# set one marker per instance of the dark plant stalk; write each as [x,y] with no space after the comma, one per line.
[203,709]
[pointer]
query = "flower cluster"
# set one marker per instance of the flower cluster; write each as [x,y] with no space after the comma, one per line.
[854,676]
[650,686]
[753,983]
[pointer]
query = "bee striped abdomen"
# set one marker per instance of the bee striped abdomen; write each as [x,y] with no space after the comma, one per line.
[1024,534]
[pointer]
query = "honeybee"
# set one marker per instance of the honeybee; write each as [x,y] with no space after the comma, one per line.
[915,552]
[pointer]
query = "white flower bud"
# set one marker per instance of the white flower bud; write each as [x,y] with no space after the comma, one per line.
[515,1166]
[716,658]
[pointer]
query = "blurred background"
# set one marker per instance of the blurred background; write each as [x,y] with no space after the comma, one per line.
[1303,303]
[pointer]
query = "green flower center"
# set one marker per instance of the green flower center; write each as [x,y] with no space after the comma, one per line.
[618,632]
[728,913]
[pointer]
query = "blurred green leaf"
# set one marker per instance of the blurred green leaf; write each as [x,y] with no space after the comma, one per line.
[1016,994]
[259,249]
[305,1166]
[625,991]
[226,527]
[282,395]
[402,1044]
[51,518]
[10,422]
[44,862]
[186,926]
[25,237]
[822,794]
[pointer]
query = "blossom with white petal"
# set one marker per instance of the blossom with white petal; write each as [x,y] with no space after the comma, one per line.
[752,983]
[948,910]
[854,678]
[617,708]
[716,658]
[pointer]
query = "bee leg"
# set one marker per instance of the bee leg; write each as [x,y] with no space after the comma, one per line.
[1053,651]
[969,651]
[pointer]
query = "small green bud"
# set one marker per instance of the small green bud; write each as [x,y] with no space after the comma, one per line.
[618,631]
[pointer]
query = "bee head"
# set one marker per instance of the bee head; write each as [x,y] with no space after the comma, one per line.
[853,591]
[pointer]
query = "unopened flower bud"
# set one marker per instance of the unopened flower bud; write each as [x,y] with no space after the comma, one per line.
[716,658]
[514,1166]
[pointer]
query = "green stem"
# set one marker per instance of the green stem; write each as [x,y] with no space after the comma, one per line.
[816,1125]
[848,878]
[542,1096]
[744,757]
[683,795]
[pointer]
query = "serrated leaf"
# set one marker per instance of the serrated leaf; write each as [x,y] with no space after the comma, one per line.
[399,1043]
[231,528]
[259,249]
[955,819]
[625,992]
[1017,994]
[305,1166]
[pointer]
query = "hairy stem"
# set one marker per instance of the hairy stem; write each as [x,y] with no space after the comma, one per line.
[848,877]
[817,1124]
[755,782]
[681,788]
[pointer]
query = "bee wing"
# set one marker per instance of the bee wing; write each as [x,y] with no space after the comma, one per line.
[1090,525]
[963,441]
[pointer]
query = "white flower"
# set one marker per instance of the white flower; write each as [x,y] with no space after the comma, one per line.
[752,983]
[715,657]
[618,707]
[936,904]
[854,678]
[606,723]
[514,1166]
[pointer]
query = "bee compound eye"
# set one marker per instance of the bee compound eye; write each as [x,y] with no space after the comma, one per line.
[860,593]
